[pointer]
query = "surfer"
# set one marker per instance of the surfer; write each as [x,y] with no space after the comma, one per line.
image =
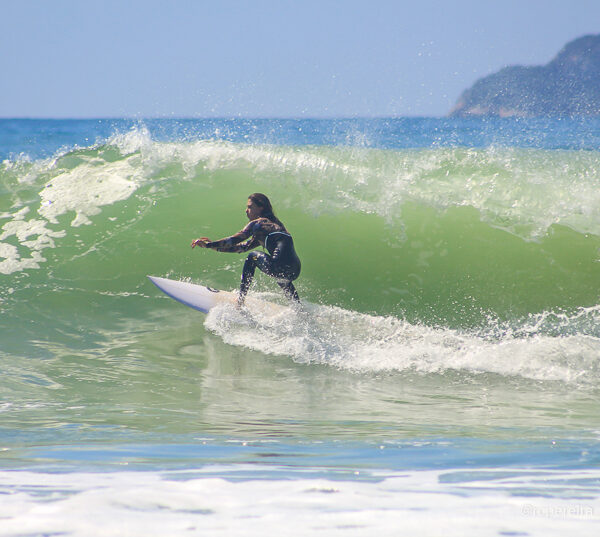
[266,230]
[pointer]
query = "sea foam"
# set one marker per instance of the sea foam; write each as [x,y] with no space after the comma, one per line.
[425,503]
[367,343]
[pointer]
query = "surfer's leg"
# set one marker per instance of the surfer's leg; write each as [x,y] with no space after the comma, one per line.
[253,260]
[247,276]
[265,264]
[283,274]
[289,290]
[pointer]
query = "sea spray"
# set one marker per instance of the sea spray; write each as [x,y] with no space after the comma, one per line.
[369,344]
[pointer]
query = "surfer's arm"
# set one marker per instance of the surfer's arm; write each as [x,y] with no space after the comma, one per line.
[227,242]
[242,241]
[234,243]
[237,248]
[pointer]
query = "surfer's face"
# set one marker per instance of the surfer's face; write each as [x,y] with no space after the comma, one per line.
[253,211]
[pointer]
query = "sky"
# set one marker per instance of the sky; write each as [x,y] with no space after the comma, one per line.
[268,58]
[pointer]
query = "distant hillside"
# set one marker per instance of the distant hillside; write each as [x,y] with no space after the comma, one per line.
[567,86]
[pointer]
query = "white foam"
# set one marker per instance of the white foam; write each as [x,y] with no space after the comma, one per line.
[84,190]
[133,141]
[413,503]
[13,262]
[361,342]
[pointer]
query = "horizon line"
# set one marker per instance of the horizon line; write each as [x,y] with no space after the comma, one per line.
[224,117]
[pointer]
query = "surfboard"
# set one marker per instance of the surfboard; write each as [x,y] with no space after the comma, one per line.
[202,298]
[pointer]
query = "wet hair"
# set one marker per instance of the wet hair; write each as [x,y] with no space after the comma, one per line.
[267,209]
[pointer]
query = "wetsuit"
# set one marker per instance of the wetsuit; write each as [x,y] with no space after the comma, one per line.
[281,262]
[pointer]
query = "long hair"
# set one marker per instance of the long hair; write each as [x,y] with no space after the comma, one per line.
[267,209]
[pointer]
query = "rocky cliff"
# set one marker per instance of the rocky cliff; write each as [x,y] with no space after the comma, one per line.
[567,86]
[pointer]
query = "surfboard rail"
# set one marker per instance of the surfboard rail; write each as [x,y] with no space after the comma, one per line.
[203,298]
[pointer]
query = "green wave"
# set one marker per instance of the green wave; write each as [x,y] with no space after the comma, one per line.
[445,236]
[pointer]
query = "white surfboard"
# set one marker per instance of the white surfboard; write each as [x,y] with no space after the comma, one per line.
[204,298]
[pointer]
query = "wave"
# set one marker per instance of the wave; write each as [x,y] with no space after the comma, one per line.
[422,259]
[524,191]
[377,344]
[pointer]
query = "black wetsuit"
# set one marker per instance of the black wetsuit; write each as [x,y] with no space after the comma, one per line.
[281,262]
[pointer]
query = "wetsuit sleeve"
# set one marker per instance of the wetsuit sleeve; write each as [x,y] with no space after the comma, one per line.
[237,248]
[234,243]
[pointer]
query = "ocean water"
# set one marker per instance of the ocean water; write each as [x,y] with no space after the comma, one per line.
[442,377]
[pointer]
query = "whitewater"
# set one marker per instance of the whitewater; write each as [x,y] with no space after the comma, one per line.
[442,375]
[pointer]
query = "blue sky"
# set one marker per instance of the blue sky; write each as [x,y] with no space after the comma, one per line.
[268,58]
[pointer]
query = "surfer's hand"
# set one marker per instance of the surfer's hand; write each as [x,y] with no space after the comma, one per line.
[201,242]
